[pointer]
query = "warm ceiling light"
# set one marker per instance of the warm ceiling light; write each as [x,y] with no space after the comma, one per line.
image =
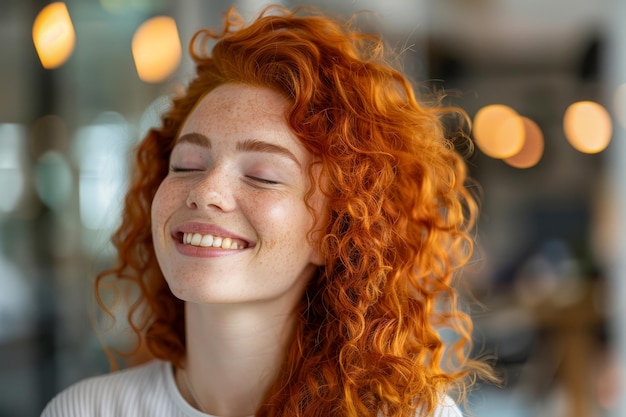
[156,49]
[532,151]
[498,131]
[53,35]
[587,126]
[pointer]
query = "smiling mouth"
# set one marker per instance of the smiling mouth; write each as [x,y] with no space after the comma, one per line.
[212,241]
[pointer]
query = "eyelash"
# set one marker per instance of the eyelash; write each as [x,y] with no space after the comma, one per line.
[263,180]
[258,179]
[181,169]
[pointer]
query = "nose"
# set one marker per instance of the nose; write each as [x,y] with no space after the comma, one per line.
[212,190]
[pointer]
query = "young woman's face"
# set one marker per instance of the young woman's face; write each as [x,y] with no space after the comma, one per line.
[229,221]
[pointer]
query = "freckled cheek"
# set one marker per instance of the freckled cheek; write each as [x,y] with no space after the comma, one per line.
[166,199]
[285,223]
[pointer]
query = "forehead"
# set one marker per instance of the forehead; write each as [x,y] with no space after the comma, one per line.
[232,115]
[239,106]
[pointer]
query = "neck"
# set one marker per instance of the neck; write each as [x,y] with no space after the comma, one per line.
[233,355]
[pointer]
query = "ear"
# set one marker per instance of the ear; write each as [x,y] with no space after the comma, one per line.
[315,235]
[316,257]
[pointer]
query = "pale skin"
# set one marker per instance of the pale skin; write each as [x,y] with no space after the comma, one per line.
[239,174]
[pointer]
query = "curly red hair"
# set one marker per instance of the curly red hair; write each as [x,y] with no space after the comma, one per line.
[395,231]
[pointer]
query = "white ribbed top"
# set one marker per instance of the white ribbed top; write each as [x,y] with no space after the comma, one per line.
[148,390]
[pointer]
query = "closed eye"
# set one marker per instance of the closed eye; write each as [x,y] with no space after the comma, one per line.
[262,180]
[174,168]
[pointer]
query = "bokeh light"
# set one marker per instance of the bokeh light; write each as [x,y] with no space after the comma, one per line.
[532,151]
[54,180]
[12,180]
[101,152]
[156,49]
[587,126]
[498,131]
[620,105]
[53,35]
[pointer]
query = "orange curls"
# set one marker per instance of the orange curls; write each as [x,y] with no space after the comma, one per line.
[395,230]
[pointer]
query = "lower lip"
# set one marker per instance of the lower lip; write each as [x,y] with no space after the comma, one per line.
[204,252]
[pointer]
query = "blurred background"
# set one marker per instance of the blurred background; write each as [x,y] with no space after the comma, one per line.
[544,82]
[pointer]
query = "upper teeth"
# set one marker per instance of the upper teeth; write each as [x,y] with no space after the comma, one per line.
[196,239]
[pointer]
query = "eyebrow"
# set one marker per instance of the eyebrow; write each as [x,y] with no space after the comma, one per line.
[253,145]
[195,139]
[248,145]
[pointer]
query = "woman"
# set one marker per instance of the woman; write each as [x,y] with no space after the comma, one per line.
[293,228]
